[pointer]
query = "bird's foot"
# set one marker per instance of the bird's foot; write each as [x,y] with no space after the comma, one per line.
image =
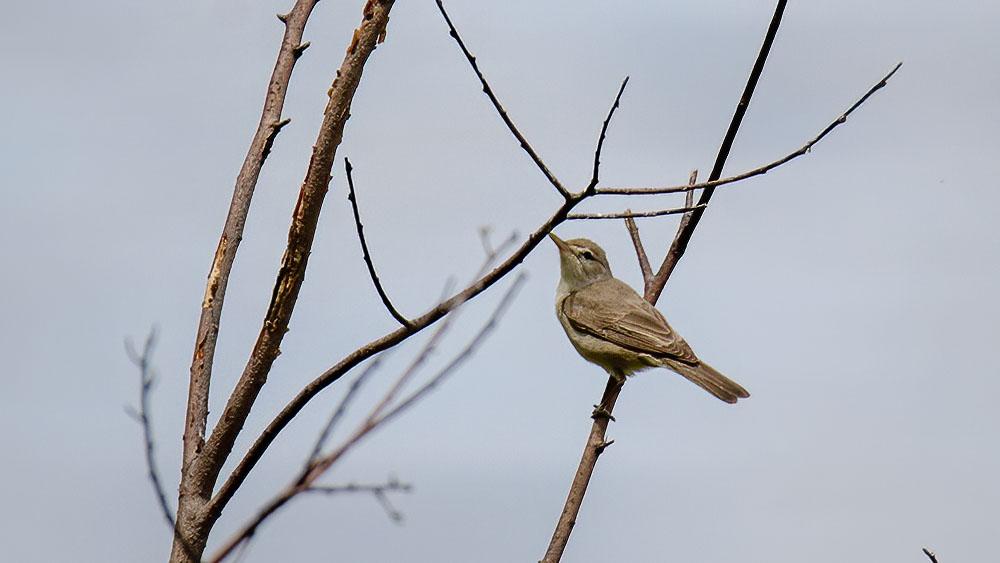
[600,411]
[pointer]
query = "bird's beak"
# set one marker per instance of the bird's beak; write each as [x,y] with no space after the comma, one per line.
[563,247]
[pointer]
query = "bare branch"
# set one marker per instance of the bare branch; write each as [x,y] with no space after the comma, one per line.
[763,169]
[321,465]
[640,252]
[378,491]
[629,214]
[689,195]
[596,444]
[500,109]
[232,233]
[364,248]
[204,459]
[600,139]
[679,246]
[930,555]
[463,355]
[338,412]
[654,286]
[147,377]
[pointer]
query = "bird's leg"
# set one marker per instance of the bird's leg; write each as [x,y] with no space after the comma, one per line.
[603,410]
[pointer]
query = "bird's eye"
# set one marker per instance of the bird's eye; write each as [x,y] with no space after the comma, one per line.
[587,254]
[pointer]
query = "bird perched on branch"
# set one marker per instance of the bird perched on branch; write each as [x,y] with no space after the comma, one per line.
[610,325]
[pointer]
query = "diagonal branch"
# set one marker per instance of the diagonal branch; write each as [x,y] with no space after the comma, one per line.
[488,90]
[364,248]
[679,246]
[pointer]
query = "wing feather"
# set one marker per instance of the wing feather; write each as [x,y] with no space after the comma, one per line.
[613,311]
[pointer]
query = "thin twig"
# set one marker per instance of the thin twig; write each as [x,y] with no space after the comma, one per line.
[640,252]
[689,195]
[147,377]
[338,413]
[655,284]
[377,491]
[352,196]
[804,149]
[600,139]
[463,355]
[488,90]
[629,214]
[930,555]
[324,463]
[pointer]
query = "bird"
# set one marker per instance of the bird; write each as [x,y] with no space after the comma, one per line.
[610,325]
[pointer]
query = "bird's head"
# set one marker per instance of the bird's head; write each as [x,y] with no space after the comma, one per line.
[582,263]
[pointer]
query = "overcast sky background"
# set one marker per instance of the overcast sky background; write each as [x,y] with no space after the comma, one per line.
[853,291]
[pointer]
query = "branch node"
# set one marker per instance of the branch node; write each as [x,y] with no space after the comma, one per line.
[599,449]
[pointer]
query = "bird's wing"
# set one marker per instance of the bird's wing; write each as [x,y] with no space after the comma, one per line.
[613,311]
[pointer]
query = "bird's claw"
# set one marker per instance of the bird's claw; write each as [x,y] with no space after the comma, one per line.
[601,412]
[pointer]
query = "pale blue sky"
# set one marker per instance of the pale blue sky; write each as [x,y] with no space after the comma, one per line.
[853,291]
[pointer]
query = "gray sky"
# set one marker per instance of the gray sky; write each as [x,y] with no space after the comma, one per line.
[853,291]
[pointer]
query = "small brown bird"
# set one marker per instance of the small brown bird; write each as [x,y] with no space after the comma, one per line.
[610,325]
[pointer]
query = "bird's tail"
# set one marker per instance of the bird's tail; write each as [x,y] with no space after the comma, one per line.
[706,377]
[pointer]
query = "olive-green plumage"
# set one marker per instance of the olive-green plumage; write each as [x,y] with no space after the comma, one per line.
[610,325]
